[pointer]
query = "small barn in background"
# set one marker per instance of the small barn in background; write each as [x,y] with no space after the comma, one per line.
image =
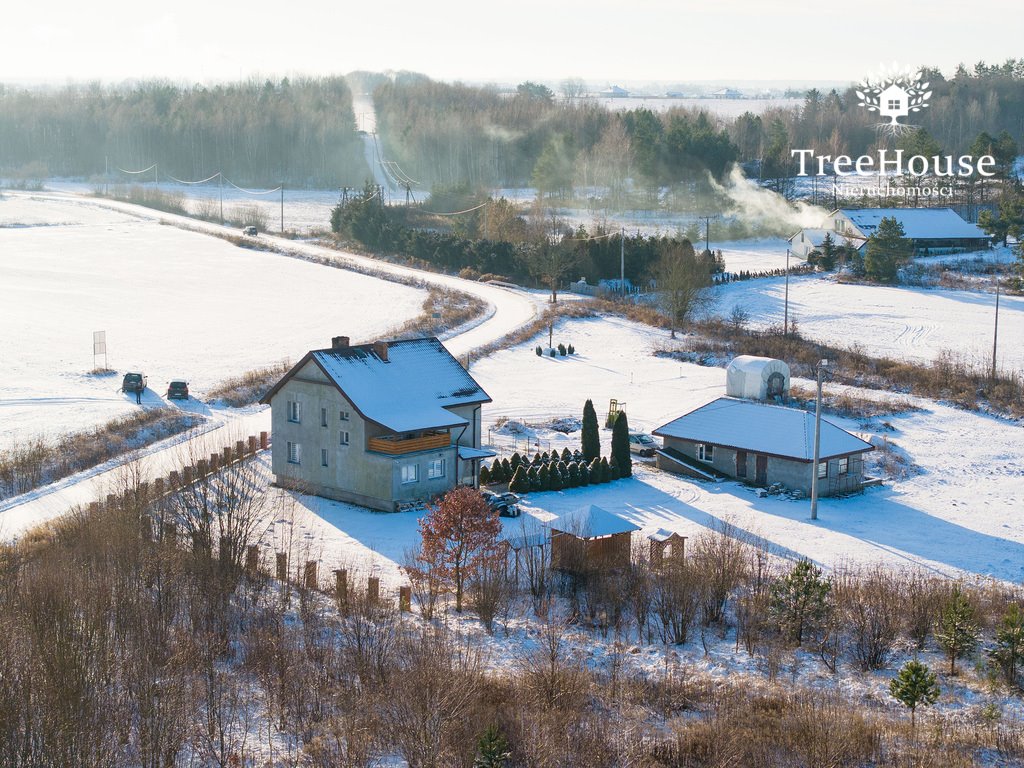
[590,538]
[757,378]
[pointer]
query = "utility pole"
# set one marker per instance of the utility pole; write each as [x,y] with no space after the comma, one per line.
[220,184]
[785,321]
[822,365]
[156,174]
[282,207]
[707,232]
[995,333]
[622,261]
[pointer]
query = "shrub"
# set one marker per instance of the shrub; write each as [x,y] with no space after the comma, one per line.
[606,470]
[539,351]
[566,455]
[571,350]
[485,476]
[584,474]
[561,349]
[515,461]
[520,483]
[620,445]
[544,478]
[534,475]
[552,352]
[573,479]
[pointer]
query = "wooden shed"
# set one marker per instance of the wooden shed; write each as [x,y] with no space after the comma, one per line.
[666,545]
[590,538]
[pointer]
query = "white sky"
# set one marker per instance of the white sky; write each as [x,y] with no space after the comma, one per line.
[601,41]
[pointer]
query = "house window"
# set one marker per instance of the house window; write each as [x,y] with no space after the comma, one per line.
[294,411]
[705,452]
[323,457]
[435,469]
[323,417]
[343,415]
[822,469]
[844,465]
[895,104]
[294,453]
[410,473]
[343,437]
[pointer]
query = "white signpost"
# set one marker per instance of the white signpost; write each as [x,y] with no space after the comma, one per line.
[99,347]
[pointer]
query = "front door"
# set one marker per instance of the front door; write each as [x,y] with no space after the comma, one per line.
[760,470]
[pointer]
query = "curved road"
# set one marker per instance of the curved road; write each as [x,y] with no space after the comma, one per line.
[508,310]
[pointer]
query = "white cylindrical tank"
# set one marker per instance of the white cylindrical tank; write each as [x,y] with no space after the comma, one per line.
[757,378]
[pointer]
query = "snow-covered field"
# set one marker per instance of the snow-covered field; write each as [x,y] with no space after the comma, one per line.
[172,303]
[897,322]
[960,514]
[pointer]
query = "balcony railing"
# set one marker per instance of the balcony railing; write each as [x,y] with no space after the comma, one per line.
[394,445]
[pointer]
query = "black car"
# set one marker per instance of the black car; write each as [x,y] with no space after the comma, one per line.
[504,503]
[134,382]
[177,390]
[250,231]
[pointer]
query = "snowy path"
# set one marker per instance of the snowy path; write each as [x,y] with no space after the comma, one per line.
[508,311]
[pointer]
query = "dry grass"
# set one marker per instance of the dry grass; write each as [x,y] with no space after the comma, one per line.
[247,388]
[38,461]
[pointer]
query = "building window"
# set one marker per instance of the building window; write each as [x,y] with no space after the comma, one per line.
[705,452]
[822,469]
[410,473]
[294,411]
[895,104]
[323,417]
[323,457]
[435,469]
[343,415]
[343,437]
[844,465]
[294,453]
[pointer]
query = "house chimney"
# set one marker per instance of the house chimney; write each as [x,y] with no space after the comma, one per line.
[339,342]
[380,348]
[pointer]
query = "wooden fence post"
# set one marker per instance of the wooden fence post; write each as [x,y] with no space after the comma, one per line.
[310,580]
[252,444]
[252,559]
[405,598]
[282,566]
[264,440]
[341,586]
[372,590]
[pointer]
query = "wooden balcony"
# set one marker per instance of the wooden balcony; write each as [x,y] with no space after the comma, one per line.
[397,445]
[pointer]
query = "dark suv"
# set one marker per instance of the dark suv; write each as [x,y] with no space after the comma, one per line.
[134,382]
[177,389]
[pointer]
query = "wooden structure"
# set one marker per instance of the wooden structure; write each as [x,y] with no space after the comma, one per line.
[665,545]
[589,539]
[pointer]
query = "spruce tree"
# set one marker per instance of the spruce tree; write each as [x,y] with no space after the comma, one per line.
[544,477]
[534,477]
[620,445]
[1008,653]
[957,633]
[887,250]
[492,751]
[515,461]
[506,469]
[485,476]
[520,483]
[584,474]
[914,686]
[606,470]
[573,479]
[591,437]
[566,455]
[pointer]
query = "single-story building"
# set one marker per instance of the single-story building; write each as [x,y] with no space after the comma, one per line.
[380,425]
[762,444]
[930,230]
[590,538]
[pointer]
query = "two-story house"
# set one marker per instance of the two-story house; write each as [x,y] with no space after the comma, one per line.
[377,424]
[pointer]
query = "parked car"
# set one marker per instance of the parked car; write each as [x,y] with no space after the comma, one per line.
[134,382]
[177,390]
[642,444]
[506,503]
[251,231]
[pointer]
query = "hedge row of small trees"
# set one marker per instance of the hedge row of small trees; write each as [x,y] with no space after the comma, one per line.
[556,471]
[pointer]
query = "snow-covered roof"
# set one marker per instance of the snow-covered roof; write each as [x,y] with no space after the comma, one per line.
[405,389]
[918,223]
[466,452]
[753,363]
[762,428]
[662,535]
[815,237]
[590,522]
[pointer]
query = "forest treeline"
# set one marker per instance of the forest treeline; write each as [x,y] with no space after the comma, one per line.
[300,132]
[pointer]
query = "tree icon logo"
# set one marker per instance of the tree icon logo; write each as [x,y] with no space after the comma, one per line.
[894,96]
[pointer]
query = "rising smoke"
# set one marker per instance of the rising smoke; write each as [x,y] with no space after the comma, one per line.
[753,202]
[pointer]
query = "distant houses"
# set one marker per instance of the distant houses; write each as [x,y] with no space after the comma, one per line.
[379,424]
[614,92]
[931,230]
[726,93]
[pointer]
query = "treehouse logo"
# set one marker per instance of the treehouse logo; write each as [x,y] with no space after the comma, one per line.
[894,96]
[889,173]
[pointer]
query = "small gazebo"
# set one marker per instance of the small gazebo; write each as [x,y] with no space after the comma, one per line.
[590,538]
[666,545]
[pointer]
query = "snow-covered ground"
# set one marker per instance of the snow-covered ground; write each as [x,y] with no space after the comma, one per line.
[172,303]
[897,322]
[960,514]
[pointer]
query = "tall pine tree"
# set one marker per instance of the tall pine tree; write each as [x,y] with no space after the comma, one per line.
[591,437]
